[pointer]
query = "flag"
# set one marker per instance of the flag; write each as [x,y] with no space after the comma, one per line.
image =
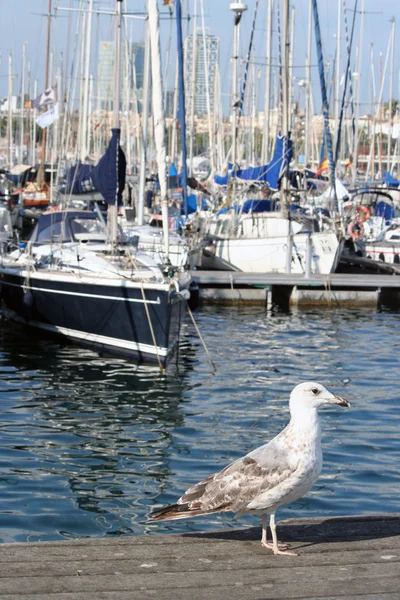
[47,118]
[323,166]
[45,98]
[348,162]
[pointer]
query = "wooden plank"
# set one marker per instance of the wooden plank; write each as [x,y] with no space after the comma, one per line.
[338,558]
[377,578]
[239,594]
[219,558]
[377,531]
[290,583]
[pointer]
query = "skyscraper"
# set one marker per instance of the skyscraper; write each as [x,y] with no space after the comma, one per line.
[106,70]
[204,72]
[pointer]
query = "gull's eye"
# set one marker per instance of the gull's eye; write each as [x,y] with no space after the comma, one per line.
[315,391]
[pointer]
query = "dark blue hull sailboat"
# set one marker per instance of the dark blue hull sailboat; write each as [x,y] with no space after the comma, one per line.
[66,282]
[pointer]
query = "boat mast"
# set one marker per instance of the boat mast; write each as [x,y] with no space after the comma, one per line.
[113,208]
[40,175]
[391,95]
[145,124]
[337,98]
[238,8]
[211,144]
[22,105]
[308,90]
[33,141]
[285,102]
[359,68]
[174,113]
[268,83]
[192,88]
[85,101]
[9,124]
[158,114]
[181,109]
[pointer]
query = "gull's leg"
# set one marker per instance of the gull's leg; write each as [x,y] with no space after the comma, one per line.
[264,532]
[275,539]
[264,542]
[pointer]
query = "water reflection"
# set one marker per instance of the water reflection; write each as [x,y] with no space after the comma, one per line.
[81,434]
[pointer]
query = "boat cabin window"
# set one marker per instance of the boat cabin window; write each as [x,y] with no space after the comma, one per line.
[156,222]
[51,233]
[83,229]
[225,226]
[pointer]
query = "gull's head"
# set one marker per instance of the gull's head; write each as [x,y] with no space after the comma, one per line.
[310,394]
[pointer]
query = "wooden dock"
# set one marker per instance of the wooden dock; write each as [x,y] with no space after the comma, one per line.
[338,558]
[284,289]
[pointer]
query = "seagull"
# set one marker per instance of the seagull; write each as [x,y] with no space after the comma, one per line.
[271,476]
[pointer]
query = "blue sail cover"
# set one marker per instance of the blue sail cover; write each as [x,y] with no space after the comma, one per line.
[79,180]
[108,175]
[391,181]
[172,170]
[192,201]
[270,173]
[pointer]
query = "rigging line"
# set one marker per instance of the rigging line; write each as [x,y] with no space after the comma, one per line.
[246,71]
[325,101]
[347,78]
[348,46]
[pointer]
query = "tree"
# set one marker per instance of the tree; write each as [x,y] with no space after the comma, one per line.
[395,106]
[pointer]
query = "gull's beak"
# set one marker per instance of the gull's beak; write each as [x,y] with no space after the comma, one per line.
[339,400]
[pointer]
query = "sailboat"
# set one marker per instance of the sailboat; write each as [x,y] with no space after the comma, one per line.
[77,279]
[264,235]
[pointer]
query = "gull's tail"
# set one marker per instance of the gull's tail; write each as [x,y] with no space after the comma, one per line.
[182,511]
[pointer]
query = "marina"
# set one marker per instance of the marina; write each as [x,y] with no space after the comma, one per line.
[199,249]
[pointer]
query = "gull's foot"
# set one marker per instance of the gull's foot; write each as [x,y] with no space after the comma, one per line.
[271,546]
[285,552]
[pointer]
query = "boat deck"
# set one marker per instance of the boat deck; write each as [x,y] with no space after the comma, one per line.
[338,558]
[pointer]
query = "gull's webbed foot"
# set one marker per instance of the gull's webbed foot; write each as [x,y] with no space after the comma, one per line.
[284,552]
[271,546]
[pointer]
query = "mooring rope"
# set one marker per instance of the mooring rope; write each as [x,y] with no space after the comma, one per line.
[151,328]
[201,337]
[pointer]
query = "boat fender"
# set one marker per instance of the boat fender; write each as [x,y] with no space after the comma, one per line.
[355,229]
[27,298]
[363,213]
[27,303]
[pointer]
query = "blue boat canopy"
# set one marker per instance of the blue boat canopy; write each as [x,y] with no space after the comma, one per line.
[271,173]
[391,181]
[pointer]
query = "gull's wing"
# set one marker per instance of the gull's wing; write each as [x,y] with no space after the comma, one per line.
[236,486]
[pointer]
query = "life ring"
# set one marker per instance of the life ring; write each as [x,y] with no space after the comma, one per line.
[363,213]
[355,229]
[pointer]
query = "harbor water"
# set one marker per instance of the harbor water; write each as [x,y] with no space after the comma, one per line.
[91,444]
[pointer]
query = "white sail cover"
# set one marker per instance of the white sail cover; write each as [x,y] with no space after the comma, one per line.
[158,111]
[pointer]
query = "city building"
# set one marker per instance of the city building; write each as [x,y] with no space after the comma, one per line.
[106,71]
[205,65]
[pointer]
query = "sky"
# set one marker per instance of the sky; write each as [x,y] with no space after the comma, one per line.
[25,21]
